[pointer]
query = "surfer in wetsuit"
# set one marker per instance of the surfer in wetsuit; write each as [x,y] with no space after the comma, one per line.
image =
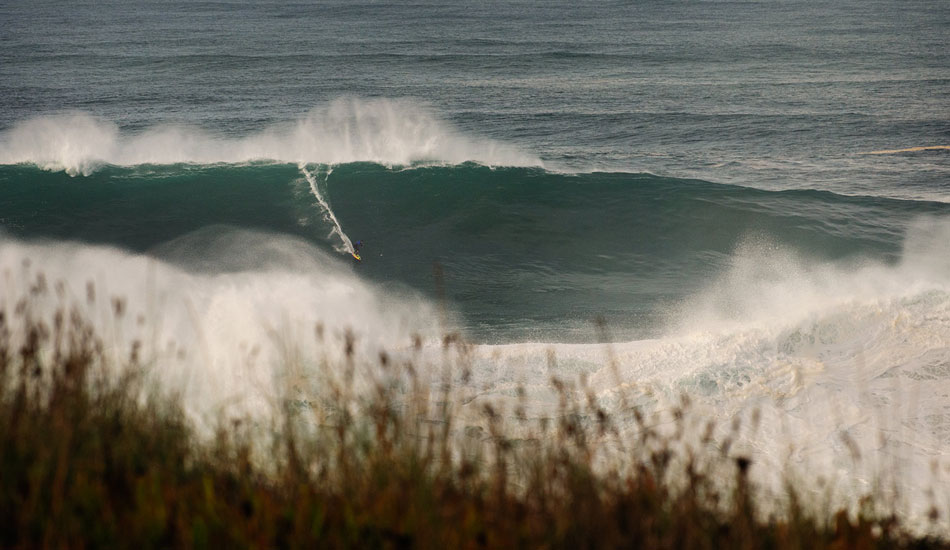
[358,246]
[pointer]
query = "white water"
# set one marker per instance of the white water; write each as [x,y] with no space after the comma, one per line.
[847,367]
[386,131]
[234,332]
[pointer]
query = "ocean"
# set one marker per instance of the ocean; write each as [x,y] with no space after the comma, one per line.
[743,202]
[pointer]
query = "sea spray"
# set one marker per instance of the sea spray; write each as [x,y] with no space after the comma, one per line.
[825,381]
[844,367]
[391,132]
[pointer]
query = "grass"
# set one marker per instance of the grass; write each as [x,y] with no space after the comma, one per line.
[91,456]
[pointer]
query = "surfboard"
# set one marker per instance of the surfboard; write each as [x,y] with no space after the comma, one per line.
[356,256]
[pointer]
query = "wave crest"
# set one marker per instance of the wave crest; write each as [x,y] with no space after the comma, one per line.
[386,131]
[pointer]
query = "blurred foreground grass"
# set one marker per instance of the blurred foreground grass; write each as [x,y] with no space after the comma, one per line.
[90,456]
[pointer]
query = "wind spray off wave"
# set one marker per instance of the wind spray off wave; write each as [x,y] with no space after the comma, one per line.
[839,371]
[386,131]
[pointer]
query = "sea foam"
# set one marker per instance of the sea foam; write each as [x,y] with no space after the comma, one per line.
[839,373]
[385,131]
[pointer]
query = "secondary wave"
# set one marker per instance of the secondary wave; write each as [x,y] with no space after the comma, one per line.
[232,319]
[391,132]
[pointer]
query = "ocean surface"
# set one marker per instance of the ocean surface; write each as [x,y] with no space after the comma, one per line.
[748,201]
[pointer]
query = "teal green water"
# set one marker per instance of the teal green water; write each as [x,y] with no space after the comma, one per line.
[526,253]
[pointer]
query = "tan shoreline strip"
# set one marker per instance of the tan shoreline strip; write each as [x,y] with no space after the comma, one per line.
[908,150]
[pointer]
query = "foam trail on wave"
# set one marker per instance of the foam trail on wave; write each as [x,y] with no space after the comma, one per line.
[386,131]
[328,214]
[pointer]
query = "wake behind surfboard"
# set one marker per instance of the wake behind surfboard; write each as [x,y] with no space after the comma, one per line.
[328,215]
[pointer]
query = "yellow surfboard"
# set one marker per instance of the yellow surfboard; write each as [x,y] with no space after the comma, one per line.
[357,256]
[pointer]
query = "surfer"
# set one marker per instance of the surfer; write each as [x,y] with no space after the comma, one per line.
[356,250]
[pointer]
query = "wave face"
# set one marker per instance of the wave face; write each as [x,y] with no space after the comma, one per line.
[825,317]
[527,254]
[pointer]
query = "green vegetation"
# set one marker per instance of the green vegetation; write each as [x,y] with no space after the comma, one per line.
[89,458]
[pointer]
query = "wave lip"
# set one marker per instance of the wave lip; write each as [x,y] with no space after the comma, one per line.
[391,132]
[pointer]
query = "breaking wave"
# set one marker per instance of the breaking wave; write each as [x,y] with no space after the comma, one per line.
[385,131]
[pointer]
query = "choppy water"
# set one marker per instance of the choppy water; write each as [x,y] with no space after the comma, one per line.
[754,195]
